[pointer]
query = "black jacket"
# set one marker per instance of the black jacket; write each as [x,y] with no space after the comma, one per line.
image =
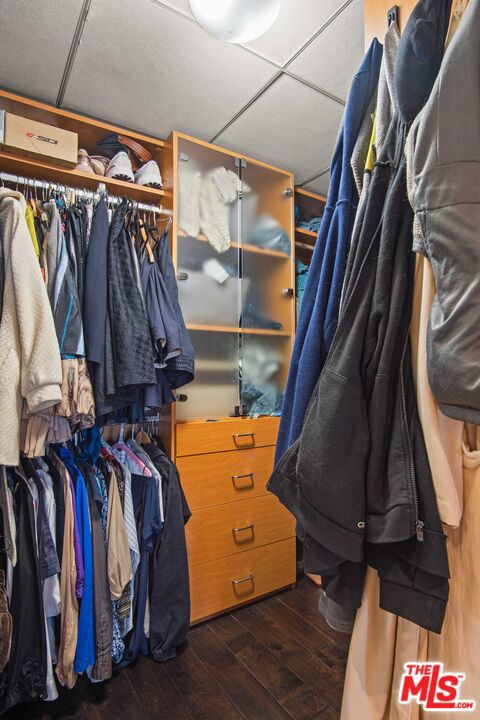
[128,363]
[170,588]
[358,479]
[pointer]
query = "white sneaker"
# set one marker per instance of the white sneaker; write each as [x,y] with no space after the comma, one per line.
[149,174]
[120,167]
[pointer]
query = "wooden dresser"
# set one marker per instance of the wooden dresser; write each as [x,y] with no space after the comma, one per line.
[241,540]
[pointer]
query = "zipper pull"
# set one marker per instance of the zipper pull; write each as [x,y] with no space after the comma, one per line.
[419,525]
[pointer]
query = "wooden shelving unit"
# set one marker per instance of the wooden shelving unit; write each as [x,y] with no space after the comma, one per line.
[310,205]
[212,457]
[225,462]
[89,131]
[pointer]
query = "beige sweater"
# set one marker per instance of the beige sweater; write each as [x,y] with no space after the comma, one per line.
[30,366]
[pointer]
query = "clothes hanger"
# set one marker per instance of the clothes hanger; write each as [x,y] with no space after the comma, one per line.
[154,229]
[34,200]
[109,209]
[143,437]
[123,447]
[145,238]
[31,200]
[20,471]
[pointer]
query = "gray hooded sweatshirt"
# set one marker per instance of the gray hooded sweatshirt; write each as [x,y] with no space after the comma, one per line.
[443,153]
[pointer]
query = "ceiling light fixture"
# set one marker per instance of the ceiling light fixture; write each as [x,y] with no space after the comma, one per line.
[236,21]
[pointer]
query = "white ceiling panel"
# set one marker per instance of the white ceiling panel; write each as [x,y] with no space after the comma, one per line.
[296,23]
[35,42]
[182,6]
[319,185]
[333,58]
[290,125]
[144,67]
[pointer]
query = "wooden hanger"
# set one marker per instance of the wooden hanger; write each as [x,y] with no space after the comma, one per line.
[142,436]
[146,242]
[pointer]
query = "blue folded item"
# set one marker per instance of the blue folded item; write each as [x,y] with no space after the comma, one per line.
[269,234]
[264,400]
[301,273]
[313,224]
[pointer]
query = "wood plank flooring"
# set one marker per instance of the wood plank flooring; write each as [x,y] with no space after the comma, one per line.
[274,660]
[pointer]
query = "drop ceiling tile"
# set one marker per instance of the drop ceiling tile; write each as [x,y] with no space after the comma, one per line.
[35,42]
[333,58]
[292,28]
[146,68]
[183,6]
[319,185]
[289,125]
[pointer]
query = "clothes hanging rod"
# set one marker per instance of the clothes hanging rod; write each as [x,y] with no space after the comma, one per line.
[93,194]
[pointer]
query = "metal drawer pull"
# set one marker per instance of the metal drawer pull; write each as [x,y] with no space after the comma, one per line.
[243,580]
[237,436]
[250,526]
[240,477]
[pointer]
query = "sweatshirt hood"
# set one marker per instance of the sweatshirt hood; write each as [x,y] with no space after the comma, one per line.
[420,55]
[387,96]
[7,193]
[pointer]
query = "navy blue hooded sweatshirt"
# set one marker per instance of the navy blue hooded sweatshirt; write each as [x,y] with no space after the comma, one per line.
[321,299]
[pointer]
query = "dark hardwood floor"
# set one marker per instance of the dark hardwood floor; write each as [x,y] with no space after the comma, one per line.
[275,660]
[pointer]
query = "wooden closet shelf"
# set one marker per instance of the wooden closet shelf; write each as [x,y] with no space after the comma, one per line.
[90,130]
[40,170]
[243,246]
[307,233]
[245,331]
[304,246]
[309,194]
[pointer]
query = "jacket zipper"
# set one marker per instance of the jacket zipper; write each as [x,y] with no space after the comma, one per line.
[419,524]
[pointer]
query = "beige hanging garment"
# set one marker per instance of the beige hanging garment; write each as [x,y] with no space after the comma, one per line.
[458,647]
[69,606]
[458,10]
[443,435]
[371,658]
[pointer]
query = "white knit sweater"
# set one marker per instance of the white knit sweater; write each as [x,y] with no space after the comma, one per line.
[30,365]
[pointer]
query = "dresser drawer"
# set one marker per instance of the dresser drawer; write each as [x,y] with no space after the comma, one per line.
[218,478]
[197,437]
[221,584]
[227,529]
